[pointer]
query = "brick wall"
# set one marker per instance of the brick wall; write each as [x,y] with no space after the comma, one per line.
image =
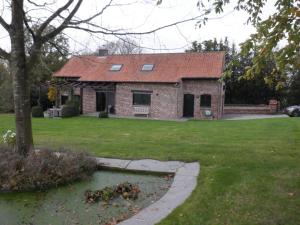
[272,108]
[164,99]
[201,87]
[88,100]
[236,109]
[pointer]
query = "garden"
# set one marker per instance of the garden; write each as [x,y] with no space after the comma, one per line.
[250,170]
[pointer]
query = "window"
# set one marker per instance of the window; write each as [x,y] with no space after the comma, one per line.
[205,101]
[147,67]
[116,67]
[140,98]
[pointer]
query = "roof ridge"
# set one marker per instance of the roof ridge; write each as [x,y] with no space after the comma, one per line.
[164,53]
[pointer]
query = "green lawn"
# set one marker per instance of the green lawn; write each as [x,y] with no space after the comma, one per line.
[250,170]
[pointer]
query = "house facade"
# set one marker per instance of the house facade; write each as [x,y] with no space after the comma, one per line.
[164,86]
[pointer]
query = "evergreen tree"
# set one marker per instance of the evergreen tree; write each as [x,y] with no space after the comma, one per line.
[241,89]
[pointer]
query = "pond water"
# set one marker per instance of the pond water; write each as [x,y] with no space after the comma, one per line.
[66,204]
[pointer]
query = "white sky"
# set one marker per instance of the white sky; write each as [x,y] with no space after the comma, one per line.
[144,15]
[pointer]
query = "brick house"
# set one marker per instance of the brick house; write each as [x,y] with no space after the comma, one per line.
[166,86]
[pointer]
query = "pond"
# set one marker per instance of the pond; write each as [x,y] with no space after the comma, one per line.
[66,204]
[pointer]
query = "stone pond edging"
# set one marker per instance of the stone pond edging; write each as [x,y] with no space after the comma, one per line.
[185,181]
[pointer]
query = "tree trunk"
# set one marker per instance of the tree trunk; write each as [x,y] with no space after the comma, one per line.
[21,86]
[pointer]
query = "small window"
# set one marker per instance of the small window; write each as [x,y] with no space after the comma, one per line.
[141,98]
[116,67]
[205,101]
[147,67]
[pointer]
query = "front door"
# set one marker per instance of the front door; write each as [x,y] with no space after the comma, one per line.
[188,105]
[100,101]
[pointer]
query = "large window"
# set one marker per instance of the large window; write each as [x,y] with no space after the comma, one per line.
[141,98]
[205,101]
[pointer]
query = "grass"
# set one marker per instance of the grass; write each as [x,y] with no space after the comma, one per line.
[250,170]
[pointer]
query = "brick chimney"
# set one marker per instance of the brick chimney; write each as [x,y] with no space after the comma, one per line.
[102,52]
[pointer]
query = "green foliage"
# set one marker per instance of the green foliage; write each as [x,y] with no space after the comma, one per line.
[37,111]
[210,45]
[69,111]
[43,169]
[242,89]
[277,38]
[75,103]
[39,96]
[6,90]
[71,108]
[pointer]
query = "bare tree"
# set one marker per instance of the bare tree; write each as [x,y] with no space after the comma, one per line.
[123,46]
[63,17]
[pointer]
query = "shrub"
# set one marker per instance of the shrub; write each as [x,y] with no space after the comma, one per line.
[103,114]
[71,108]
[37,111]
[69,111]
[74,102]
[42,169]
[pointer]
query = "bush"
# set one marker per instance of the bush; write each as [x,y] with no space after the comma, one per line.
[42,169]
[103,114]
[37,111]
[71,108]
[76,103]
[69,111]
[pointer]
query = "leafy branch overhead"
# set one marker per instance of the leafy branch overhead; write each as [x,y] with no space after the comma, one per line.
[276,38]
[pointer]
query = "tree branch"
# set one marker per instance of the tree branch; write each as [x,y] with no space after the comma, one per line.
[58,48]
[53,16]
[5,25]
[28,27]
[64,24]
[40,5]
[92,17]
[111,32]
[40,40]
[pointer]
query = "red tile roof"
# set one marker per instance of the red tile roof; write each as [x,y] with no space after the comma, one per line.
[168,67]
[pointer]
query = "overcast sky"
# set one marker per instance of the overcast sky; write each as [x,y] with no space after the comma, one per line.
[144,15]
